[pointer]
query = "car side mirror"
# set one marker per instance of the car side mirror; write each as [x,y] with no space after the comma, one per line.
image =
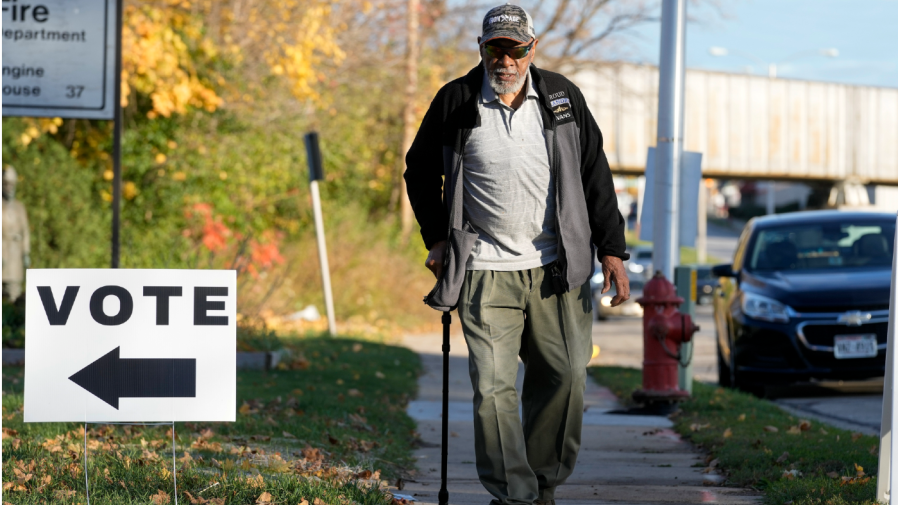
[723,271]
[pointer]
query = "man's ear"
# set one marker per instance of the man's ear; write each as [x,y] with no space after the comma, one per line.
[478,41]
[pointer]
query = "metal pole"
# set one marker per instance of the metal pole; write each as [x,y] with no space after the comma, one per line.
[685,279]
[316,173]
[322,257]
[669,146]
[885,479]
[117,141]
[701,241]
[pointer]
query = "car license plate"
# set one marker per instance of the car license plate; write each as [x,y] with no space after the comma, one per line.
[855,346]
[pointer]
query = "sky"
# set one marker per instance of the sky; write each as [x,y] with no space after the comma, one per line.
[865,33]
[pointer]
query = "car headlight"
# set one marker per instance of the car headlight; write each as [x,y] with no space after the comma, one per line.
[605,301]
[707,288]
[636,268]
[765,309]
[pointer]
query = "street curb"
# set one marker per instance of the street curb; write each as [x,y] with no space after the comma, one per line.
[13,357]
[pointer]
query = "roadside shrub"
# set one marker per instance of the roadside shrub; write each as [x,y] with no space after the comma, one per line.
[13,325]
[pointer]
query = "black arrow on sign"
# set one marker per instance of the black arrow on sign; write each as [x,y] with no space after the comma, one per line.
[110,378]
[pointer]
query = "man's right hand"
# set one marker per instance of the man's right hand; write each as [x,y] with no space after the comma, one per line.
[435,259]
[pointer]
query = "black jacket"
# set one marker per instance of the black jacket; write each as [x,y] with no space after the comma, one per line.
[587,217]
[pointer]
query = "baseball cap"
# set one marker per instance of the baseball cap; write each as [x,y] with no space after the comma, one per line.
[507,22]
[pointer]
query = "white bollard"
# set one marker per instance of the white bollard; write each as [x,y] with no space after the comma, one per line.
[886,476]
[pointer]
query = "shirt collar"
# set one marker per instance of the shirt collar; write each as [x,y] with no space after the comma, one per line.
[487,94]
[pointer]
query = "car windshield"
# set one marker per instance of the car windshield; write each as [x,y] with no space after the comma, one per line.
[817,246]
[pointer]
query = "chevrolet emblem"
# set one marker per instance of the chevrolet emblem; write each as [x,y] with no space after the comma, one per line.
[855,317]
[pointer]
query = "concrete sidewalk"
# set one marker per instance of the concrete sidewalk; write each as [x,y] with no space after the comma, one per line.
[623,458]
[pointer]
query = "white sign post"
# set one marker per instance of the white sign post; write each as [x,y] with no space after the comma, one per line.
[131,345]
[59,58]
[887,475]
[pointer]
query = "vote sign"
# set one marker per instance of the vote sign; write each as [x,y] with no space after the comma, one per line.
[130,345]
[59,58]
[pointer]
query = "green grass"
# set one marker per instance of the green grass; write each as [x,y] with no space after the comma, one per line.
[688,255]
[749,454]
[330,424]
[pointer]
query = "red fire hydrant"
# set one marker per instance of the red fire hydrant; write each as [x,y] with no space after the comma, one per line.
[664,329]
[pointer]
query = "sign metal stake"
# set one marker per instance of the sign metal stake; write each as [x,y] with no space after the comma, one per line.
[174,460]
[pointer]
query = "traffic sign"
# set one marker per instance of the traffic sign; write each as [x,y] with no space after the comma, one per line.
[59,58]
[130,345]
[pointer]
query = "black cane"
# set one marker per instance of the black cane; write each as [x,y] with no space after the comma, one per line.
[444,493]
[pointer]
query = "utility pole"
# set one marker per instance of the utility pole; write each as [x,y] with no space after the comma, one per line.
[408,115]
[669,145]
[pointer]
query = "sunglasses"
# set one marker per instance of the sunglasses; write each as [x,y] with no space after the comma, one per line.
[516,53]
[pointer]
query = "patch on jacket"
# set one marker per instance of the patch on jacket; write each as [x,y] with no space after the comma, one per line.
[560,109]
[559,101]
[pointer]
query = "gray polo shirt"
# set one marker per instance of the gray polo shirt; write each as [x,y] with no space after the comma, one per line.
[509,190]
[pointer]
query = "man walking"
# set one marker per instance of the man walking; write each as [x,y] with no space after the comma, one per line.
[527,204]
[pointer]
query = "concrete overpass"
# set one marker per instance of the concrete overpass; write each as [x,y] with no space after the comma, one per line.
[752,127]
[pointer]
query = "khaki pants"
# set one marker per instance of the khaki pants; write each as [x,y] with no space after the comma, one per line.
[509,314]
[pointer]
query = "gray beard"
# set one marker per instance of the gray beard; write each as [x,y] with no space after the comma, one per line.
[501,88]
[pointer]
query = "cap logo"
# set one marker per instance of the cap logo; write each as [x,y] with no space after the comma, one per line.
[505,18]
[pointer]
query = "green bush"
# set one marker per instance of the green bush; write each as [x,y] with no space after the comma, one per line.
[256,337]
[13,325]
[70,224]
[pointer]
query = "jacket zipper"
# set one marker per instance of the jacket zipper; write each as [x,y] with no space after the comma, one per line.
[560,269]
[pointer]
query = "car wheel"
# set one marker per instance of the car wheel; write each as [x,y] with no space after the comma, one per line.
[723,371]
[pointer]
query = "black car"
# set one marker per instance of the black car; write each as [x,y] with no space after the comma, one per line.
[806,297]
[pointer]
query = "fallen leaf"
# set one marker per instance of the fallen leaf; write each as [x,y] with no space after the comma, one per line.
[196,501]
[714,462]
[823,432]
[874,449]
[379,375]
[160,498]
[833,475]
[727,433]
[354,393]
[741,417]
[859,469]
[791,474]
[264,498]
[804,424]
[794,430]
[289,435]
[855,436]
[356,347]
[783,457]
[771,429]
[318,501]
[303,502]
